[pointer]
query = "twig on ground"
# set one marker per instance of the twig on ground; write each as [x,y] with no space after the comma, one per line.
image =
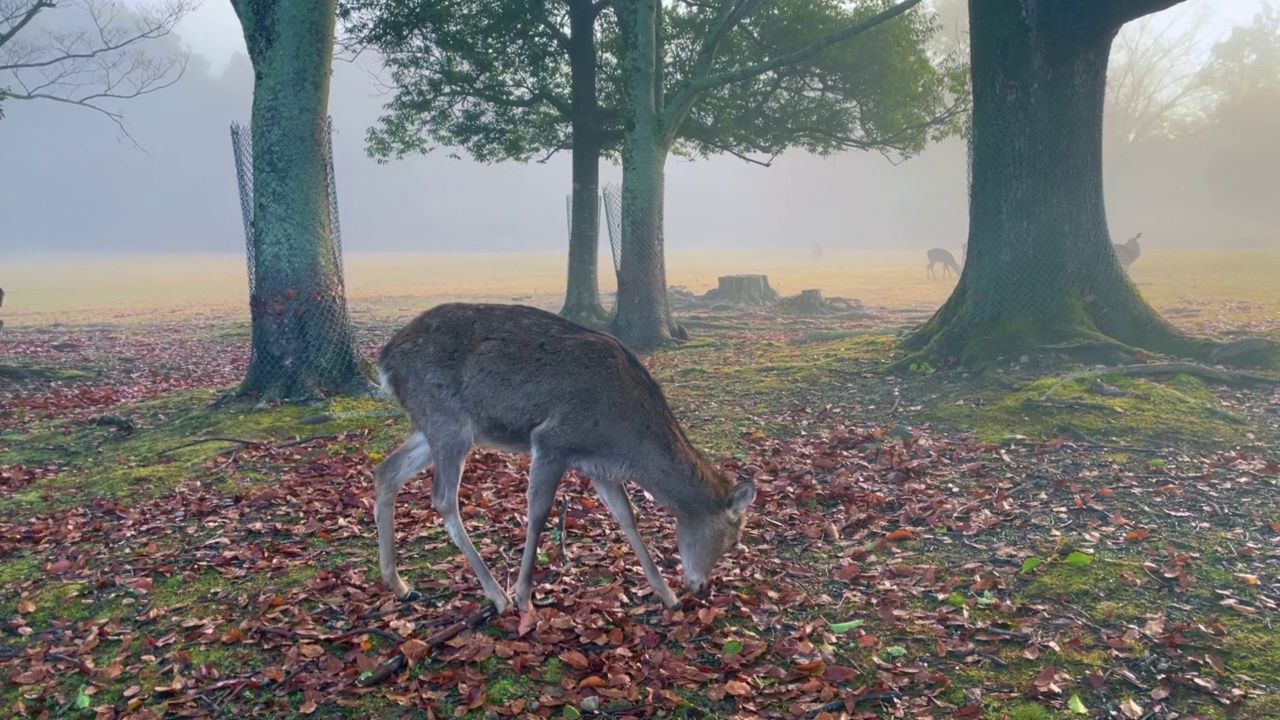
[243,442]
[395,664]
[202,441]
[564,511]
[304,441]
[835,705]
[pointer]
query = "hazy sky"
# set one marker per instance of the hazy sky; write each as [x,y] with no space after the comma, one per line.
[214,31]
[69,184]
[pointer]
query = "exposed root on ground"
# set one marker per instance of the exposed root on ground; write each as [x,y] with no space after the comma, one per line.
[1227,377]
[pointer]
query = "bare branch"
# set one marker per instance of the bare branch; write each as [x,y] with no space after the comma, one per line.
[22,18]
[684,98]
[97,55]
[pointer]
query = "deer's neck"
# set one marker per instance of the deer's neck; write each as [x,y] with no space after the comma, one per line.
[687,484]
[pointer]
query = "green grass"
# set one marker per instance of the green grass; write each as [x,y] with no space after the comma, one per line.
[1178,412]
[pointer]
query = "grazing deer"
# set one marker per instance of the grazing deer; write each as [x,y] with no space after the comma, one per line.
[939,255]
[519,379]
[1128,251]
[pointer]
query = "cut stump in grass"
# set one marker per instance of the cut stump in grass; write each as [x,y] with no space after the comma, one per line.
[811,303]
[751,290]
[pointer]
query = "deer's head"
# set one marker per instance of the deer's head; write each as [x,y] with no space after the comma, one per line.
[704,539]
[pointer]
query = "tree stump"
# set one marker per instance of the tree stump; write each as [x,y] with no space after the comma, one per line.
[751,290]
[811,303]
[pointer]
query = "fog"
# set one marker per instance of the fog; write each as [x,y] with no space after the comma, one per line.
[68,183]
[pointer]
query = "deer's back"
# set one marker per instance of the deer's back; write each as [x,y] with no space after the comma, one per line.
[511,370]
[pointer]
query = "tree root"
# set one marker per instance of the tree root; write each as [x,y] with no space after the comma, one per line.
[589,315]
[1227,377]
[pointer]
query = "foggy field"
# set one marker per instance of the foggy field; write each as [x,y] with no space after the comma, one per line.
[1201,289]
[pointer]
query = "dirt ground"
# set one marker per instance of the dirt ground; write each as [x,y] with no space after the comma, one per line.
[930,544]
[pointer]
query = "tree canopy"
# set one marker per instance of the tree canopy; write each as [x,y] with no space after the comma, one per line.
[494,80]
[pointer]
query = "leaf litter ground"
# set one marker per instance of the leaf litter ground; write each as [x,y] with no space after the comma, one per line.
[890,568]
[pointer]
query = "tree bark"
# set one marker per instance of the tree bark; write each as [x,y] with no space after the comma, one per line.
[582,296]
[643,317]
[303,344]
[1041,268]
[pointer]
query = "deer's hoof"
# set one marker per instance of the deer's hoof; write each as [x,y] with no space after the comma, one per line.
[411,597]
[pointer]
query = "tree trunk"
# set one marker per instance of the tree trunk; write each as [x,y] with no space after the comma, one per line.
[582,297]
[643,316]
[1041,268]
[303,344]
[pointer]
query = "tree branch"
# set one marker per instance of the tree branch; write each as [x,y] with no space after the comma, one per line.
[1122,11]
[731,13]
[27,17]
[558,34]
[683,99]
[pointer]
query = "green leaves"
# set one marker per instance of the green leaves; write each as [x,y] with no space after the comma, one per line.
[1078,560]
[732,647]
[82,700]
[1030,564]
[846,626]
[1076,705]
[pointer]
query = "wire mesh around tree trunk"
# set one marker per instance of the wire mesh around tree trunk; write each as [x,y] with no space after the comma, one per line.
[336,320]
[613,219]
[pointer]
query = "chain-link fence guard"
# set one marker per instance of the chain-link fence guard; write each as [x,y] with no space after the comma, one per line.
[336,312]
[611,194]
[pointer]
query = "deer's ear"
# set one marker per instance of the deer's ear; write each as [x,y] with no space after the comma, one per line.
[741,497]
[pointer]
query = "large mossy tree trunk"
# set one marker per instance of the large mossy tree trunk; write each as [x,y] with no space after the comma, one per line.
[303,344]
[1041,269]
[643,316]
[582,296]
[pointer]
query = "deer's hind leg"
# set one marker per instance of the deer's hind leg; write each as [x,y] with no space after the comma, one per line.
[545,474]
[391,474]
[451,454]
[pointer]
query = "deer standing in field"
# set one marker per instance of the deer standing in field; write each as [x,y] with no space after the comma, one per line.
[948,261]
[1128,251]
[519,379]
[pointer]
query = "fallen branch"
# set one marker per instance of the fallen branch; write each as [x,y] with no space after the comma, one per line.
[852,702]
[194,443]
[1227,377]
[395,664]
[240,441]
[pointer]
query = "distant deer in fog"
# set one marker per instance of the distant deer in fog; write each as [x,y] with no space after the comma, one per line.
[1128,251]
[939,255]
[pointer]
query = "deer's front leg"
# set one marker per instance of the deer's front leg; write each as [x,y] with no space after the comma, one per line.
[615,497]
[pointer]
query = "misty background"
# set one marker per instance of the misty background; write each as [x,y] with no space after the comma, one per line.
[69,183]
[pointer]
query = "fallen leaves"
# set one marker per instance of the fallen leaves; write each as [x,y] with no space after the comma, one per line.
[879,564]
